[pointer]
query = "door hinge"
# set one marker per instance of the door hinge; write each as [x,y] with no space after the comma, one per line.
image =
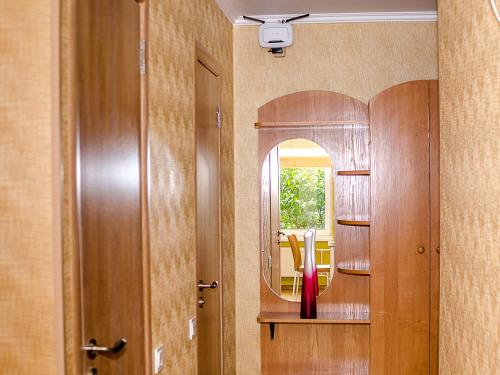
[219,118]
[142,57]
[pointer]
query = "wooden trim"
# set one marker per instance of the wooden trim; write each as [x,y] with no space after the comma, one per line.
[194,157]
[294,124]
[205,58]
[73,208]
[57,188]
[145,194]
[435,225]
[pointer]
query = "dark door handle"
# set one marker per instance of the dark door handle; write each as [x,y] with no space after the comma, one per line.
[202,285]
[93,349]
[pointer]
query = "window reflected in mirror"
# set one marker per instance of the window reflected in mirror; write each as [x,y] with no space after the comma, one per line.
[297,194]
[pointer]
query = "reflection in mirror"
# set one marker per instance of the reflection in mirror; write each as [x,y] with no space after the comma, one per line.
[296,195]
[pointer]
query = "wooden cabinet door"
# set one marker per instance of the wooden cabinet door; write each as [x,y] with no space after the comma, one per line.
[400,237]
[109,184]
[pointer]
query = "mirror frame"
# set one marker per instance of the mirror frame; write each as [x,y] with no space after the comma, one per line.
[330,222]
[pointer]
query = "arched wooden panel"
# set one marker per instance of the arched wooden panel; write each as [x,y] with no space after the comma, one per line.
[314,106]
[339,124]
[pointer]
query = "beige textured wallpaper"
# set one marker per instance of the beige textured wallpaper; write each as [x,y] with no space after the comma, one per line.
[30,317]
[173,26]
[359,60]
[470,187]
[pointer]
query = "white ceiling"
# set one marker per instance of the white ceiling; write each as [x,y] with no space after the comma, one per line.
[234,9]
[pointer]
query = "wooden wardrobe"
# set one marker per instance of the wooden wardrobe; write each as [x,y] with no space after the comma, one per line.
[383,318]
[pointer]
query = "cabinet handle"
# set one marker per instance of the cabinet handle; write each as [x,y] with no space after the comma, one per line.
[421,250]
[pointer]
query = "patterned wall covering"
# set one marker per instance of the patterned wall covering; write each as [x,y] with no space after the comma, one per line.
[173,25]
[469,68]
[29,325]
[359,60]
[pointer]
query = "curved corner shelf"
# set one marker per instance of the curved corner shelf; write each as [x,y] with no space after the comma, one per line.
[364,172]
[351,268]
[356,223]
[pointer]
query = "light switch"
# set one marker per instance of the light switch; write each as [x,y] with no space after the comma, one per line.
[192,328]
[159,352]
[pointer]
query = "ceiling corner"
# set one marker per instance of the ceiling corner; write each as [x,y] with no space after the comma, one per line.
[228,9]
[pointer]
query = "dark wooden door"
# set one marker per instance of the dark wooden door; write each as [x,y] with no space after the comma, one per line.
[208,220]
[400,241]
[109,183]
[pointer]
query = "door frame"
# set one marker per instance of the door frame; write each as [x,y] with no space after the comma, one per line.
[203,56]
[72,295]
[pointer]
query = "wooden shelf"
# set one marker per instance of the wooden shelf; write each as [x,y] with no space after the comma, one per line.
[273,318]
[354,173]
[354,267]
[293,124]
[356,223]
[323,318]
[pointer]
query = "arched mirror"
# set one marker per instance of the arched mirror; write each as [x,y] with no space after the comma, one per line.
[297,194]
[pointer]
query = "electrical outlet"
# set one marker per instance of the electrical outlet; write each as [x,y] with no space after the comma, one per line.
[192,328]
[159,352]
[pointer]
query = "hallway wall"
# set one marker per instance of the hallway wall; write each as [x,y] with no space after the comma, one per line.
[470,186]
[30,258]
[359,60]
[173,26]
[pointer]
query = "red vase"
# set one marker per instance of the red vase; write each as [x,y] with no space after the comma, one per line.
[309,280]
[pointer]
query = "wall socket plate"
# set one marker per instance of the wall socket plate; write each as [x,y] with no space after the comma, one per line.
[192,328]
[159,358]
